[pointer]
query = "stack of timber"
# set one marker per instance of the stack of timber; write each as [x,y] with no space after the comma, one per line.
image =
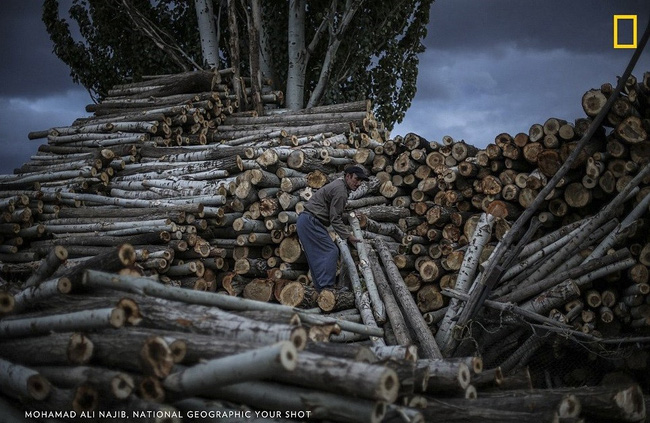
[202,196]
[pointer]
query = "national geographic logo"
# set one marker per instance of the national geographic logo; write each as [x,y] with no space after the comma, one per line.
[624,30]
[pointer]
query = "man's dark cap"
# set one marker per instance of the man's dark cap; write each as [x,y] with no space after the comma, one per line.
[361,174]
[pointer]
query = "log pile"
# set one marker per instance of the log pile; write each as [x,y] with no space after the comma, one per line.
[203,196]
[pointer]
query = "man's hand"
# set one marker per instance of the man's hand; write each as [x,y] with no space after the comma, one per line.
[353,240]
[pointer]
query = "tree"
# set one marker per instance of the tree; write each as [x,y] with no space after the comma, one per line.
[316,51]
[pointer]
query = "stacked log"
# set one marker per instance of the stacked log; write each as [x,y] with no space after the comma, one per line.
[208,195]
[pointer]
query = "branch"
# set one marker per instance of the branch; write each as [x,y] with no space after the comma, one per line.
[157,36]
[335,41]
[320,31]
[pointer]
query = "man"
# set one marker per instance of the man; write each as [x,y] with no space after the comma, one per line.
[323,209]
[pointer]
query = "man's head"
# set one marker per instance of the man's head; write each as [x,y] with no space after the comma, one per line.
[354,175]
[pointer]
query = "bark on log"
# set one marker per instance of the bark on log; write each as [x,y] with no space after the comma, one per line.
[286,398]
[22,381]
[77,321]
[62,349]
[251,365]
[428,346]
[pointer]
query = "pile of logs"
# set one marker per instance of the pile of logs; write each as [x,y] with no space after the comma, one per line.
[203,196]
[105,346]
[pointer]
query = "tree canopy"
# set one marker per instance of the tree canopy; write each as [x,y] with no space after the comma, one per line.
[326,52]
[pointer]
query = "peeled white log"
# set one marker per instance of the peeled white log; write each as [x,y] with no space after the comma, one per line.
[77,321]
[256,364]
[22,381]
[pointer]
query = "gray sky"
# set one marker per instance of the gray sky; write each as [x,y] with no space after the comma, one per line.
[491,66]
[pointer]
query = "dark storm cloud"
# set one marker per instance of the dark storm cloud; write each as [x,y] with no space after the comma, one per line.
[31,69]
[495,66]
[578,25]
[36,90]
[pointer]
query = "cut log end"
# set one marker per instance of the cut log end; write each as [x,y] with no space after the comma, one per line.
[570,406]
[38,387]
[292,294]
[470,392]
[122,386]
[179,350]
[156,357]
[127,255]
[61,252]
[131,311]
[151,389]
[298,338]
[86,399]
[64,286]
[288,356]
[326,300]
[379,412]
[117,318]
[631,404]
[464,376]
[80,349]
[389,386]
[7,302]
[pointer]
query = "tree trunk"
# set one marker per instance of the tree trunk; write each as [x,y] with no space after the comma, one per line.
[207,33]
[298,56]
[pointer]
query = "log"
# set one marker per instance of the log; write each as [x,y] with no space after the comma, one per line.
[62,349]
[377,304]
[295,294]
[451,377]
[251,365]
[77,321]
[342,376]
[109,383]
[48,266]
[331,300]
[428,346]
[361,297]
[292,401]
[146,354]
[393,312]
[148,287]
[16,380]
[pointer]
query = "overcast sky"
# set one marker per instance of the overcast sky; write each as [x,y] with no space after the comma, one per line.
[490,66]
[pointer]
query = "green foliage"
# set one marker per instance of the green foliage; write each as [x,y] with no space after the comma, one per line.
[111,49]
[377,58]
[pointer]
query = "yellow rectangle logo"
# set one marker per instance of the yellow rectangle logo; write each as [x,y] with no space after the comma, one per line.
[624,17]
